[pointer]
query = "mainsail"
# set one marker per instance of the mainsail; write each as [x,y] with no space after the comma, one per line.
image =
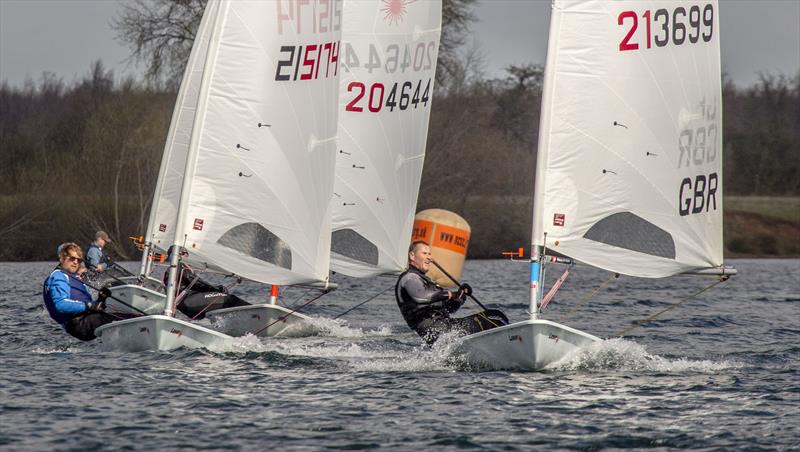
[164,211]
[389,52]
[258,179]
[629,171]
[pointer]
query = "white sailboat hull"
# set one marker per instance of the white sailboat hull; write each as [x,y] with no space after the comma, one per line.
[157,332]
[530,345]
[149,282]
[264,320]
[142,298]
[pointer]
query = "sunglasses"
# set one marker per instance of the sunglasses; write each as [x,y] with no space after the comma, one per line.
[75,259]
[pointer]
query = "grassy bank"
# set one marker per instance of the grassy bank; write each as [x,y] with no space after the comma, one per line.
[777,207]
[762,226]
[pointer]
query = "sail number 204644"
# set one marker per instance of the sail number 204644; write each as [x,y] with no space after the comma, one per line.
[663,27]
[401,96]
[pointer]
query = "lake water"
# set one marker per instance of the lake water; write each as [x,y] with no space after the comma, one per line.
[719,372]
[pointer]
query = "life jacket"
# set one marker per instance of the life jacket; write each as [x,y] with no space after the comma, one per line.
[103,258]
[65,309]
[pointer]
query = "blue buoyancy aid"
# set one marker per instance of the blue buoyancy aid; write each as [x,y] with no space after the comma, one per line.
[65,296]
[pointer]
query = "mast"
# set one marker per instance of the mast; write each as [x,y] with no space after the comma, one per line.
[542,151]
[146,250]
[191,158]
[177,128]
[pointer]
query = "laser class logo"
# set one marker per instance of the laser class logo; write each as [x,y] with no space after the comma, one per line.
[395,10]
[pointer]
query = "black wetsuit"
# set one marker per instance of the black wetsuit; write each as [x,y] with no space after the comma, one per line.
[426,308]
[202,296]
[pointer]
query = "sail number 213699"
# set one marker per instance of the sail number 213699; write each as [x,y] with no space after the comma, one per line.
[663,27]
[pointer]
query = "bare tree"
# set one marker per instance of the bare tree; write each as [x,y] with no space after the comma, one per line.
[160,33]
[457,17]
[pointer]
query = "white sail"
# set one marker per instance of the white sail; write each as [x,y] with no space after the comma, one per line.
[389,52]
[259,174]
[164,211]
[629,172]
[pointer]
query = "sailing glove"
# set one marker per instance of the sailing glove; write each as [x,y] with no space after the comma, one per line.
[454,303]
[96,306]
[103,294]
[466,289]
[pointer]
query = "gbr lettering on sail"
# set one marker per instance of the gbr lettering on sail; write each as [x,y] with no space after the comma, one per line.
[698,144]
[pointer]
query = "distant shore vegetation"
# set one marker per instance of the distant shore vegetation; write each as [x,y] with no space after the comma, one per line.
[85,156]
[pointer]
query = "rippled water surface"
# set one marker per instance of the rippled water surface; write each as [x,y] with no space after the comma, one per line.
[719,372]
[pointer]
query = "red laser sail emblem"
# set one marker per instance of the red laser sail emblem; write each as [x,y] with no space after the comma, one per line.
[394,10]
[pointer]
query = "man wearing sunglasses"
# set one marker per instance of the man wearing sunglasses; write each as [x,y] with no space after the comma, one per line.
[69,301]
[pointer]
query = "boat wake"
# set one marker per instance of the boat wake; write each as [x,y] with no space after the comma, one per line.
[339,328]
[350,349]
[620,354]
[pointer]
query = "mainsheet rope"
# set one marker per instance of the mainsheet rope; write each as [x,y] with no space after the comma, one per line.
[98,290]
[572,311]
[365,301]
[639,323]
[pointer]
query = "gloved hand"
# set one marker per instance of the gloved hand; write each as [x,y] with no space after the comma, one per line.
[462,292]
[104,293]
[453,304]
[96,306]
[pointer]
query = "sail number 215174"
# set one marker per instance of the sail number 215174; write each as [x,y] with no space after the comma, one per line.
[664,27]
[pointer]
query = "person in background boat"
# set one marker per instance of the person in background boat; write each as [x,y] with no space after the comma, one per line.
[102,269]
[427,307]
[94,253]
[68,300]
[201,296]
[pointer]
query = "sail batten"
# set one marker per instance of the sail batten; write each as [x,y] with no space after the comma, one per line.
[629,172]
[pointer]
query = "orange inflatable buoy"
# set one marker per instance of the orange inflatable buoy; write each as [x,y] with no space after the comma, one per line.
[448,235]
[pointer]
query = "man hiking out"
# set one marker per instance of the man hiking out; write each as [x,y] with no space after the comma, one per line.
[68,300]
[427,307]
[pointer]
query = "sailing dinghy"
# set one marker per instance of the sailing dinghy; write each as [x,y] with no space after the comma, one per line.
[385,91]
[629,164]
[258,172]
[270,222]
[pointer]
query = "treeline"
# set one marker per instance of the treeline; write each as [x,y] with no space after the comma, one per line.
[84,156]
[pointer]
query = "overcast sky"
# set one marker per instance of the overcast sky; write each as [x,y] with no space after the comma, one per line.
[65,36]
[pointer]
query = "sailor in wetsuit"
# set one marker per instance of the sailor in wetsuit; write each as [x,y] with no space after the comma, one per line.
[201,296]
[426,307]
